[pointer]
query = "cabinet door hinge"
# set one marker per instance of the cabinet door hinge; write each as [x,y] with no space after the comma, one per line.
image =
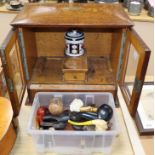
[10,84]
[138,85]
[3,58]
[123,41]
[23,54]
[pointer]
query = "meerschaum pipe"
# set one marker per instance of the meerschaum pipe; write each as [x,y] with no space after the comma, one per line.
[77,106]
[100,124]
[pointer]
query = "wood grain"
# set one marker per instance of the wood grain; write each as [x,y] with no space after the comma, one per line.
[51,42]
[75,69]
[49,71]
[73,15]
[115,49]
[98,43]
[74,76]
[8,141]
[30,49]
[10,46]
[144,53]
[7,131]
[100,71]
[75,63]
[6,115]
[48,76]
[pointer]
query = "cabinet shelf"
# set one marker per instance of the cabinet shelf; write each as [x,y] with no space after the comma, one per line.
[48,70]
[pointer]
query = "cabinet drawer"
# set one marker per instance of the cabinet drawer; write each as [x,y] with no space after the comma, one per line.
[74,76]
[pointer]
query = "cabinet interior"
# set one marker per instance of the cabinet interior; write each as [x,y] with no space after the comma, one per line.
[45,55]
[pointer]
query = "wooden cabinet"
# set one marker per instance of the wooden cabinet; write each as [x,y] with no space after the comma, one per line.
[33,53]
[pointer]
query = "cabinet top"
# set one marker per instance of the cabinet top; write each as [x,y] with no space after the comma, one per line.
[89,15]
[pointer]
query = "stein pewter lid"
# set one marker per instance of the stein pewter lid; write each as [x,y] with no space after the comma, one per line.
[74,34]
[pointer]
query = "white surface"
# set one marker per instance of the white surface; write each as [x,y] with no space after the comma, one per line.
[5,20]
[146,32]
[143,109]
[135,141]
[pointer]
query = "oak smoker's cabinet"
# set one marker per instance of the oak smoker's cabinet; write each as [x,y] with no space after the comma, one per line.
[33,52]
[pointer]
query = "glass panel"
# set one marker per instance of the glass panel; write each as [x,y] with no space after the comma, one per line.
[15,66]
[132,65]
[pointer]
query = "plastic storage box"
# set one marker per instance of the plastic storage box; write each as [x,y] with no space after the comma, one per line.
[70,141]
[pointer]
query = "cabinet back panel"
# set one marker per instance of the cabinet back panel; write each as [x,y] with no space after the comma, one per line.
[53,43]
[30,48]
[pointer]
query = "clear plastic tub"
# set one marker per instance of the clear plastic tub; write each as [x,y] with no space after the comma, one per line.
[68,141]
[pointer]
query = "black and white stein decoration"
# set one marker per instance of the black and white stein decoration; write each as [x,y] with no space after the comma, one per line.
[74,40]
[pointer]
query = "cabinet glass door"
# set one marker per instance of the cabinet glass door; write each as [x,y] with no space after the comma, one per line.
[13,71]
[133,69]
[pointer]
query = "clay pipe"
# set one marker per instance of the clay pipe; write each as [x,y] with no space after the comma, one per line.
[100,125]
[77,106]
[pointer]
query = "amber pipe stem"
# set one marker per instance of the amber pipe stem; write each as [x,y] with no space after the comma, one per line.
[88,109]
